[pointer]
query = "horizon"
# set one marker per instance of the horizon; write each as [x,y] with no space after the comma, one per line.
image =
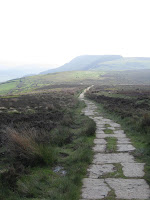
[5,66]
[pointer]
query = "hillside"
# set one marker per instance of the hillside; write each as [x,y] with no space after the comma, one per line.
[103,63]
[48,81]
[132,63]
[27,84]
[85,62]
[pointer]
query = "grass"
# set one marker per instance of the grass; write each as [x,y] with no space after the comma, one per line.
[108,131]
[6,87]
[107,125]
[29,84]
[34,153]
[118,173]
[111,146]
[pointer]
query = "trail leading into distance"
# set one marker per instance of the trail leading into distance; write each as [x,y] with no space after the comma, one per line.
[112,175]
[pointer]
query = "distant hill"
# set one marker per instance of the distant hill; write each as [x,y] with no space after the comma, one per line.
[82,63]
[124,63]
[103,63]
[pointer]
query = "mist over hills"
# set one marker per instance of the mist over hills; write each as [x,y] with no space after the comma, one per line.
[8,73]
[84,62]
[103,63]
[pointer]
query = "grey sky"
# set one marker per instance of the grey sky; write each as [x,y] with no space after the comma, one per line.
[47,32]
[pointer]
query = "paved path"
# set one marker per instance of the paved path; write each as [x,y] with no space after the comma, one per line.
[112,175]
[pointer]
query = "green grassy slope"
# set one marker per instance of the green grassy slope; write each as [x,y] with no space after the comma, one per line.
[124,64]
[84,62]
[27,84]
[103,63]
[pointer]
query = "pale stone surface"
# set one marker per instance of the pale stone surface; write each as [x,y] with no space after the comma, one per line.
[88,113]
[123,141]
[107,121]
[100,132]
[99,148]
[100,125]
[119,132]
[99,135]
[133,169]
[94,189]
[101,158]
[95,171]
[98,118]
[115,125]
[111,128]
[125,147]
[100,141]
[129,188]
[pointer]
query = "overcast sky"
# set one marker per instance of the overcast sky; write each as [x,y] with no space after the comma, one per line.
[55,31]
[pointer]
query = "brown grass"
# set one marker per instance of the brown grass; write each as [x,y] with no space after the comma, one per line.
[22,144]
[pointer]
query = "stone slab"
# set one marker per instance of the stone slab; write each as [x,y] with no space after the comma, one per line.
[101,158]
[99,148]
[123,141]
[125,147]
[102,136]
[111,128]
[129,188]
[100,141]
[95,171]
[94,189]
[133,169]
[100,132]
[115,125]
[119,132]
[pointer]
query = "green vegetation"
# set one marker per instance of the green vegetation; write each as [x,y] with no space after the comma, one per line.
[108,131]
[132,113]
[66,79]
[49,81]
[107,125]
[103,63]
[124,63]
[4,88]
[85,62]
[44,154]
[118,173]
[111,146]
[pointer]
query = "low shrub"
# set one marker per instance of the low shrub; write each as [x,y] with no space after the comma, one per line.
[61,136]
[26,147]
[90,128]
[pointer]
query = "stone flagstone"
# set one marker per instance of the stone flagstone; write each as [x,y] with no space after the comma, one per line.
[96,188]
[125,147]
[101,158]
[133,169]
[100,141]
[99,148]
[95,171]
[129,188]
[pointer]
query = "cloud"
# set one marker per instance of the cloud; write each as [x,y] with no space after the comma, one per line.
[48,31]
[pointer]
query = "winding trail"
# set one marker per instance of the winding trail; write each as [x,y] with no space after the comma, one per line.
[112,175]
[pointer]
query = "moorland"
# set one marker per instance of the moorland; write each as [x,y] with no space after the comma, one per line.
[44,147]
[46,141]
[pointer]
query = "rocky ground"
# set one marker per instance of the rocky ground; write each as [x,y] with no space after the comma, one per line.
[113,174]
